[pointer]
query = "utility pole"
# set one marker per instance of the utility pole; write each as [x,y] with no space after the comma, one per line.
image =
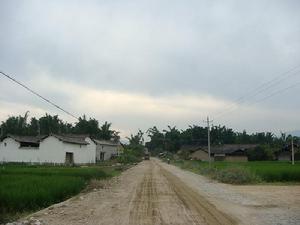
[208,139]
[293,153]
[39,128]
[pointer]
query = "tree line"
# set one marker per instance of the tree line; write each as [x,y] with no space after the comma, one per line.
[172,138]
[47,124]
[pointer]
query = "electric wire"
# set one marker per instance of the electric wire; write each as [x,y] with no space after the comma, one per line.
[38,95]
[262,99]
[259,90]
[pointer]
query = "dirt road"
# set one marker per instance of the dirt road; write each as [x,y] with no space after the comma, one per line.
[156,193]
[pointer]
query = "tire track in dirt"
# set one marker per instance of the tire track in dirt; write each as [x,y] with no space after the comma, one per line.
[147,194]
[162,198]
[197,203]
[145,210]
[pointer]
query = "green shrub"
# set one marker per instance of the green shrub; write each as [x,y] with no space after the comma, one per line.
[261,153]
[129,156]
[237,175]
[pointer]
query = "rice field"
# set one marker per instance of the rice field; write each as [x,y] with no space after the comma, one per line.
[260,171]
[26,188]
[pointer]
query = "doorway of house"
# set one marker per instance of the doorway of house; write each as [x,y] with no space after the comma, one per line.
[69,158]
[102,156]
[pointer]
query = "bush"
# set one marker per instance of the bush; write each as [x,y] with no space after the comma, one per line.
[261,153]
[129,156]
[184,154]
[236,175]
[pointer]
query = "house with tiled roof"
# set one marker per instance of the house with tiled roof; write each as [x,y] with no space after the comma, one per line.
[54,148]
[226,152]
[106,149]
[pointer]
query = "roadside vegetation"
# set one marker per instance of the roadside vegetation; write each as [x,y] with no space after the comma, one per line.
[134,150]
[244,172]
[24,188]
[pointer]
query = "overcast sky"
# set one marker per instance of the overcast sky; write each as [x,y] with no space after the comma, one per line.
[143,63]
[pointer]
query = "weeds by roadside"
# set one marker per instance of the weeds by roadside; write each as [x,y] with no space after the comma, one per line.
[236,175]
[244,172]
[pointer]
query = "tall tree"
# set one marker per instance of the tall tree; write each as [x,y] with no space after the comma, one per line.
[172,139]
[136,143]
[84,126]
[157,140]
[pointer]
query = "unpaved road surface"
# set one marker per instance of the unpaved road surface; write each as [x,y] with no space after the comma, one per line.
[156,193]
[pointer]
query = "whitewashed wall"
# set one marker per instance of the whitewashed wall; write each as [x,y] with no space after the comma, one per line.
[13,153]
[109,151]
[82,153]
[51,150]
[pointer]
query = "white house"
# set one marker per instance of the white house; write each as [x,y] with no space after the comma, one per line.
[105,150]
[79,149]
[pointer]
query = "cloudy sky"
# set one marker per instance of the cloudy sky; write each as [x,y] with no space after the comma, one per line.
[143,63]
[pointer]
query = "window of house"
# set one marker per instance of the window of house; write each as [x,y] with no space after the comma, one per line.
[29,145]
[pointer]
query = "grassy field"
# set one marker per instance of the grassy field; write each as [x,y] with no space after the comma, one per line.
[26,188]
[246,172]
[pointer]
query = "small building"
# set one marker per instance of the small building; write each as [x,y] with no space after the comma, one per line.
[285,154]
[232,152]
[57,149]
[106,150]
[200,154]
[227,152]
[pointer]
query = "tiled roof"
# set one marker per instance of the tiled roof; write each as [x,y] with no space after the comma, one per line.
[105,142]
[222,149]
[27,139]
[230,148]
[72,138]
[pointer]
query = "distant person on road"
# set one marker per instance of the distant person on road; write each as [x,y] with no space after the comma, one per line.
[168,161]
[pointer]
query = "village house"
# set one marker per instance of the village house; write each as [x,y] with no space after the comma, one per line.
[106,150]
[58,149]
[285,154]
[227,152]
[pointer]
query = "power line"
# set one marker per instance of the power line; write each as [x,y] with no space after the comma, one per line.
[264,98]
[277,92]
[260,89]
[274,84]
[38,95]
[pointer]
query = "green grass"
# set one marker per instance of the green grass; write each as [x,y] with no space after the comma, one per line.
[26,188]
[246,172]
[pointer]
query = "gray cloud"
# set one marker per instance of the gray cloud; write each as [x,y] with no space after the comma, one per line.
[158,49]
